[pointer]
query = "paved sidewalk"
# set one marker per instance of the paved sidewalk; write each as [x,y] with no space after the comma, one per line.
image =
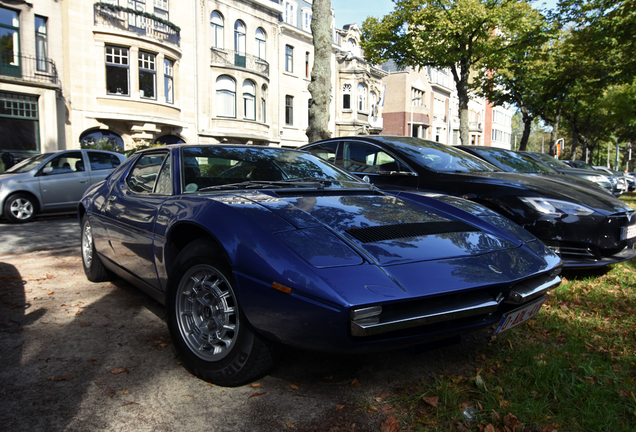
[44,234]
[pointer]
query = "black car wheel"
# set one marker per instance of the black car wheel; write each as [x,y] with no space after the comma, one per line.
[207,326]
[93,267]
[20,208]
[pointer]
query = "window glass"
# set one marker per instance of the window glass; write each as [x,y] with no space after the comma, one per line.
[367,158]
[143,176]
[102,161]
[66,163]
[249,100]
[164,181]
[147,75]
[216,31]
[289,59]
[260,44]
[168,80]
[10,47]
[326,151]
[41,44]
[289,110]
[226,96]
[117,70]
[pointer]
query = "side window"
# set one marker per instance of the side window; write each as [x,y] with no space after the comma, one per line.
[102,161]
[65,163]
[326,151]
[144,174]
[367,158]
[164,181]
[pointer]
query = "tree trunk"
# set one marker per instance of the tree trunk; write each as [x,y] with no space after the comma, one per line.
[554,133]
[461,84]
[526,118]
[320,85]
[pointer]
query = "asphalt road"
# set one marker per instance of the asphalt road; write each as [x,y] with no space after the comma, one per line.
[81,356]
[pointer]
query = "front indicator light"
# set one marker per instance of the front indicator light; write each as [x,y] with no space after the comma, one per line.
[281,288]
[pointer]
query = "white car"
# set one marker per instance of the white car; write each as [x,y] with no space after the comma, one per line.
[52,182]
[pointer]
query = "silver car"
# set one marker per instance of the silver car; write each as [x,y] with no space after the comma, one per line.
[52,182]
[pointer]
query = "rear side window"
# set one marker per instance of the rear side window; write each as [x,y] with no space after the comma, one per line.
[327,151]
[103,161]
[367,158]
[65,163]
[143,176]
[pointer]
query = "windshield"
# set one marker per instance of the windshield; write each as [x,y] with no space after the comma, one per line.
[551,161]
[216,167]
[512,161]
[438,157]
[28,164]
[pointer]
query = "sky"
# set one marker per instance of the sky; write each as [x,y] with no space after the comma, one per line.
[356,11]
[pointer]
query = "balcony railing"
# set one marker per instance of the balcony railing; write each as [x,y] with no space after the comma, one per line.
[245,61]
[376,122]
[474,126]
[29,69]
[137,22]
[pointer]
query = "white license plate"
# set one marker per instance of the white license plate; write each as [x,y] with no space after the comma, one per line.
[519,316]
[628,232]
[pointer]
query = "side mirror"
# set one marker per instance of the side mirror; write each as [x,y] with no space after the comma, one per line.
[47,170]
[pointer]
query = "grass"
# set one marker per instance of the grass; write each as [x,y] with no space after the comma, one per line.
[571,368]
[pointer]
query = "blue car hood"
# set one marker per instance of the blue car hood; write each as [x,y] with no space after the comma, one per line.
[387,230]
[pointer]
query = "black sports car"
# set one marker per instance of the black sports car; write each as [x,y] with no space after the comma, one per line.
[564,167]
[587,227]
[511,161]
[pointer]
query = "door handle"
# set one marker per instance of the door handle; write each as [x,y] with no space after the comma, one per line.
[83,181]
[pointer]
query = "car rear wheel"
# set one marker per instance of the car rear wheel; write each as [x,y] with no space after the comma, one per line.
[20,208]
[93,267]
[208,328]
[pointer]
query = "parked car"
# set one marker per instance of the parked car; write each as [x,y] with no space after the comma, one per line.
[625,181]
[586,226]
[617,188]
[52,182]
[249,247]
[511,161]
[562,167]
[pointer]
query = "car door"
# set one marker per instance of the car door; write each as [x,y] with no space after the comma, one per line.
[376,165]
[62,183]
[130,213]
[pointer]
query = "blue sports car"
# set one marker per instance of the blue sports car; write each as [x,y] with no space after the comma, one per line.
[251,247]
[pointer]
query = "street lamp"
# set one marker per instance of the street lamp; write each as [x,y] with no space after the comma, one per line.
[412,105]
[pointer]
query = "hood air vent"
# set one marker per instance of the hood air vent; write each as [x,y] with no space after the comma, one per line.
[391,232]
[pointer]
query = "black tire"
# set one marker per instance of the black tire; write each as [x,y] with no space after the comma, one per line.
[20,208]
[93,266]
[207,326]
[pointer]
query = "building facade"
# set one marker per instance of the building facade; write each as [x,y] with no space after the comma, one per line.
[32,110]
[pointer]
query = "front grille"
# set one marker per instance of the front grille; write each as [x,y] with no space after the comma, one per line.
[405,230]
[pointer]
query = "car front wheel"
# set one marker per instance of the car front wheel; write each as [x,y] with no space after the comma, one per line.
[20,208]
[207,326]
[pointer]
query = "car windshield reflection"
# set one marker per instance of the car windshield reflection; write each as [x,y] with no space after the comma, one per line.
[208,168]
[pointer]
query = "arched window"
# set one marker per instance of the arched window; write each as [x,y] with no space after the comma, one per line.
[373,99]
[362,98]
[346,96]
[249,100]
[100,139]
[239,38]
[169,139]
[216,30]
[260,43]
[264,103]
[226,96]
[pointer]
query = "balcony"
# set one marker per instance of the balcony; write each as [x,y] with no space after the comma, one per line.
[474,126]
[29,69]
[141,23]
[245,61]
[376,122]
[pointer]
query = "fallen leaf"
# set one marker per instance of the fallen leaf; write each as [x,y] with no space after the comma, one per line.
[390,425]
[339,407]
[257,394]
[124,392]
[51,292]
[355,383]
[489,428]
[289,425]
[255,385]
[85,324]
[511,421]
[292,386]
[119,370]
[66,377]
[432,401]
[78,313]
